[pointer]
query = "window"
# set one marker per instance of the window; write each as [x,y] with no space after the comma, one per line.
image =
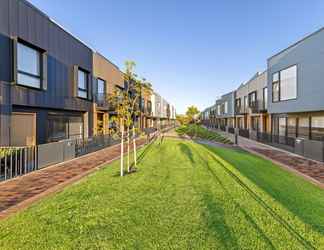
[252,99]
[238,104]
[28,63]
[82,84]
[288,83]
[282,126]
[226,107]
[101,86]
[255,123]
[303,127]
[265,98]
[317,128]
[284,84]
[218,109]
[291,127]
[246,102]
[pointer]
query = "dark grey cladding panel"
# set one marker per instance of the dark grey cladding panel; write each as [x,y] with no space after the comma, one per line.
[4,16]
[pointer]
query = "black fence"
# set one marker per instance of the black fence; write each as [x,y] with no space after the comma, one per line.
[231,130]
[244,133]
[223,128]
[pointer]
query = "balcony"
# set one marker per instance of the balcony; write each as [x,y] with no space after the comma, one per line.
[240,110]
[258,107]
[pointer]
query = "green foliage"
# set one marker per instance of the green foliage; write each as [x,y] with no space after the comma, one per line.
[6,151]
[192,113]
[186,196]
[182,119]
[196,131]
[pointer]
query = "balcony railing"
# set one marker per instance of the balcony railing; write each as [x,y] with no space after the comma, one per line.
[240,110]
[258,107]
[102,100]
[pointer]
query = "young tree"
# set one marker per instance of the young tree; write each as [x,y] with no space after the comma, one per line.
[126,103]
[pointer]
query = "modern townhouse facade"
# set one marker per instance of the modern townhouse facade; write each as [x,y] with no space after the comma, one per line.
[45,78]
[296,96]
[225,115]
[284,106]
[107,77]
[251,106]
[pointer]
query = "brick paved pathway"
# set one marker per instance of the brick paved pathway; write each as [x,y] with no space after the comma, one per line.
[304,166]
[309,169]
[19,193]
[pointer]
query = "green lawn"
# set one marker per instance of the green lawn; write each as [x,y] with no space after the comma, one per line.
[185,196]
[196,131]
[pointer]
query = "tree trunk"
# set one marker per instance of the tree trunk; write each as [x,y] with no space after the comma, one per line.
[128,142]
[134,147]
[122,150]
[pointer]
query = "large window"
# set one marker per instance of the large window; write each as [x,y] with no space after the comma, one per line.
[318,128]
[265,98]
[82,84]
[303,127]
[288,83]
[61,127]
[252,99]
[255,123]
[101,87]
[291,127]
[28,63]
[275,87]
[284,84]
[226,107]
[246,102]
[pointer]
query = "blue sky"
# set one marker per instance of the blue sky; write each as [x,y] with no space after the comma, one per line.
[191,51]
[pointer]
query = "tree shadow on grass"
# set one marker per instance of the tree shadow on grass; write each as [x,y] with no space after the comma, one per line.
[185,149]
[258,199]
[309,210]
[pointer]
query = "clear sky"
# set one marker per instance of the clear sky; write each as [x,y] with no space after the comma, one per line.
[192,51]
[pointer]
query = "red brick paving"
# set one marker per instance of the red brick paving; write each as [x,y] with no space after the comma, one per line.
[312,170]
[19,193]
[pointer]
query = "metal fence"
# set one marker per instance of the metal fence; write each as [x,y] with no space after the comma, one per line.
[17,161]
[244,133]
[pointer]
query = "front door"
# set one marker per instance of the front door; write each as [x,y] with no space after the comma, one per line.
[23,129]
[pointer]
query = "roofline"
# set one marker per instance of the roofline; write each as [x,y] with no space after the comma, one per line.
[98,53]
[299,41]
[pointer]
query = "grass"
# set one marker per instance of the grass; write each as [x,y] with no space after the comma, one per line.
[196,131]
[184,196]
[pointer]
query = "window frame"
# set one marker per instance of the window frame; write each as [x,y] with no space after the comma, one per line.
[254,93]
[86,90]
[40,53]
[279,84]
[265,97]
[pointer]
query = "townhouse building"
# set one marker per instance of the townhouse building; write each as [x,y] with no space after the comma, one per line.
[54,87]
[283,106]
[225,115]
[251,106]
[107,77]
[45,78]
[296,99]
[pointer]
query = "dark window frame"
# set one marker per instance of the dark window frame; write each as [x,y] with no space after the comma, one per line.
[41,70]
[86,90]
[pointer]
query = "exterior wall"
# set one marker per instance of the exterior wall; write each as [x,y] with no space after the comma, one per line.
[230,99]
[107,71]
[309,57]
[21,20]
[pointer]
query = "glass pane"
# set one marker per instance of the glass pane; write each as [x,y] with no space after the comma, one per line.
[292,127]
[288,83]
[57,128]
[28,60]
[317,128]
[265,97]
[275,92]
[75,127]
[28,80]
[282,126]
[82,93]
[303,128]
[82,79]
[275,77]
[101,86]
